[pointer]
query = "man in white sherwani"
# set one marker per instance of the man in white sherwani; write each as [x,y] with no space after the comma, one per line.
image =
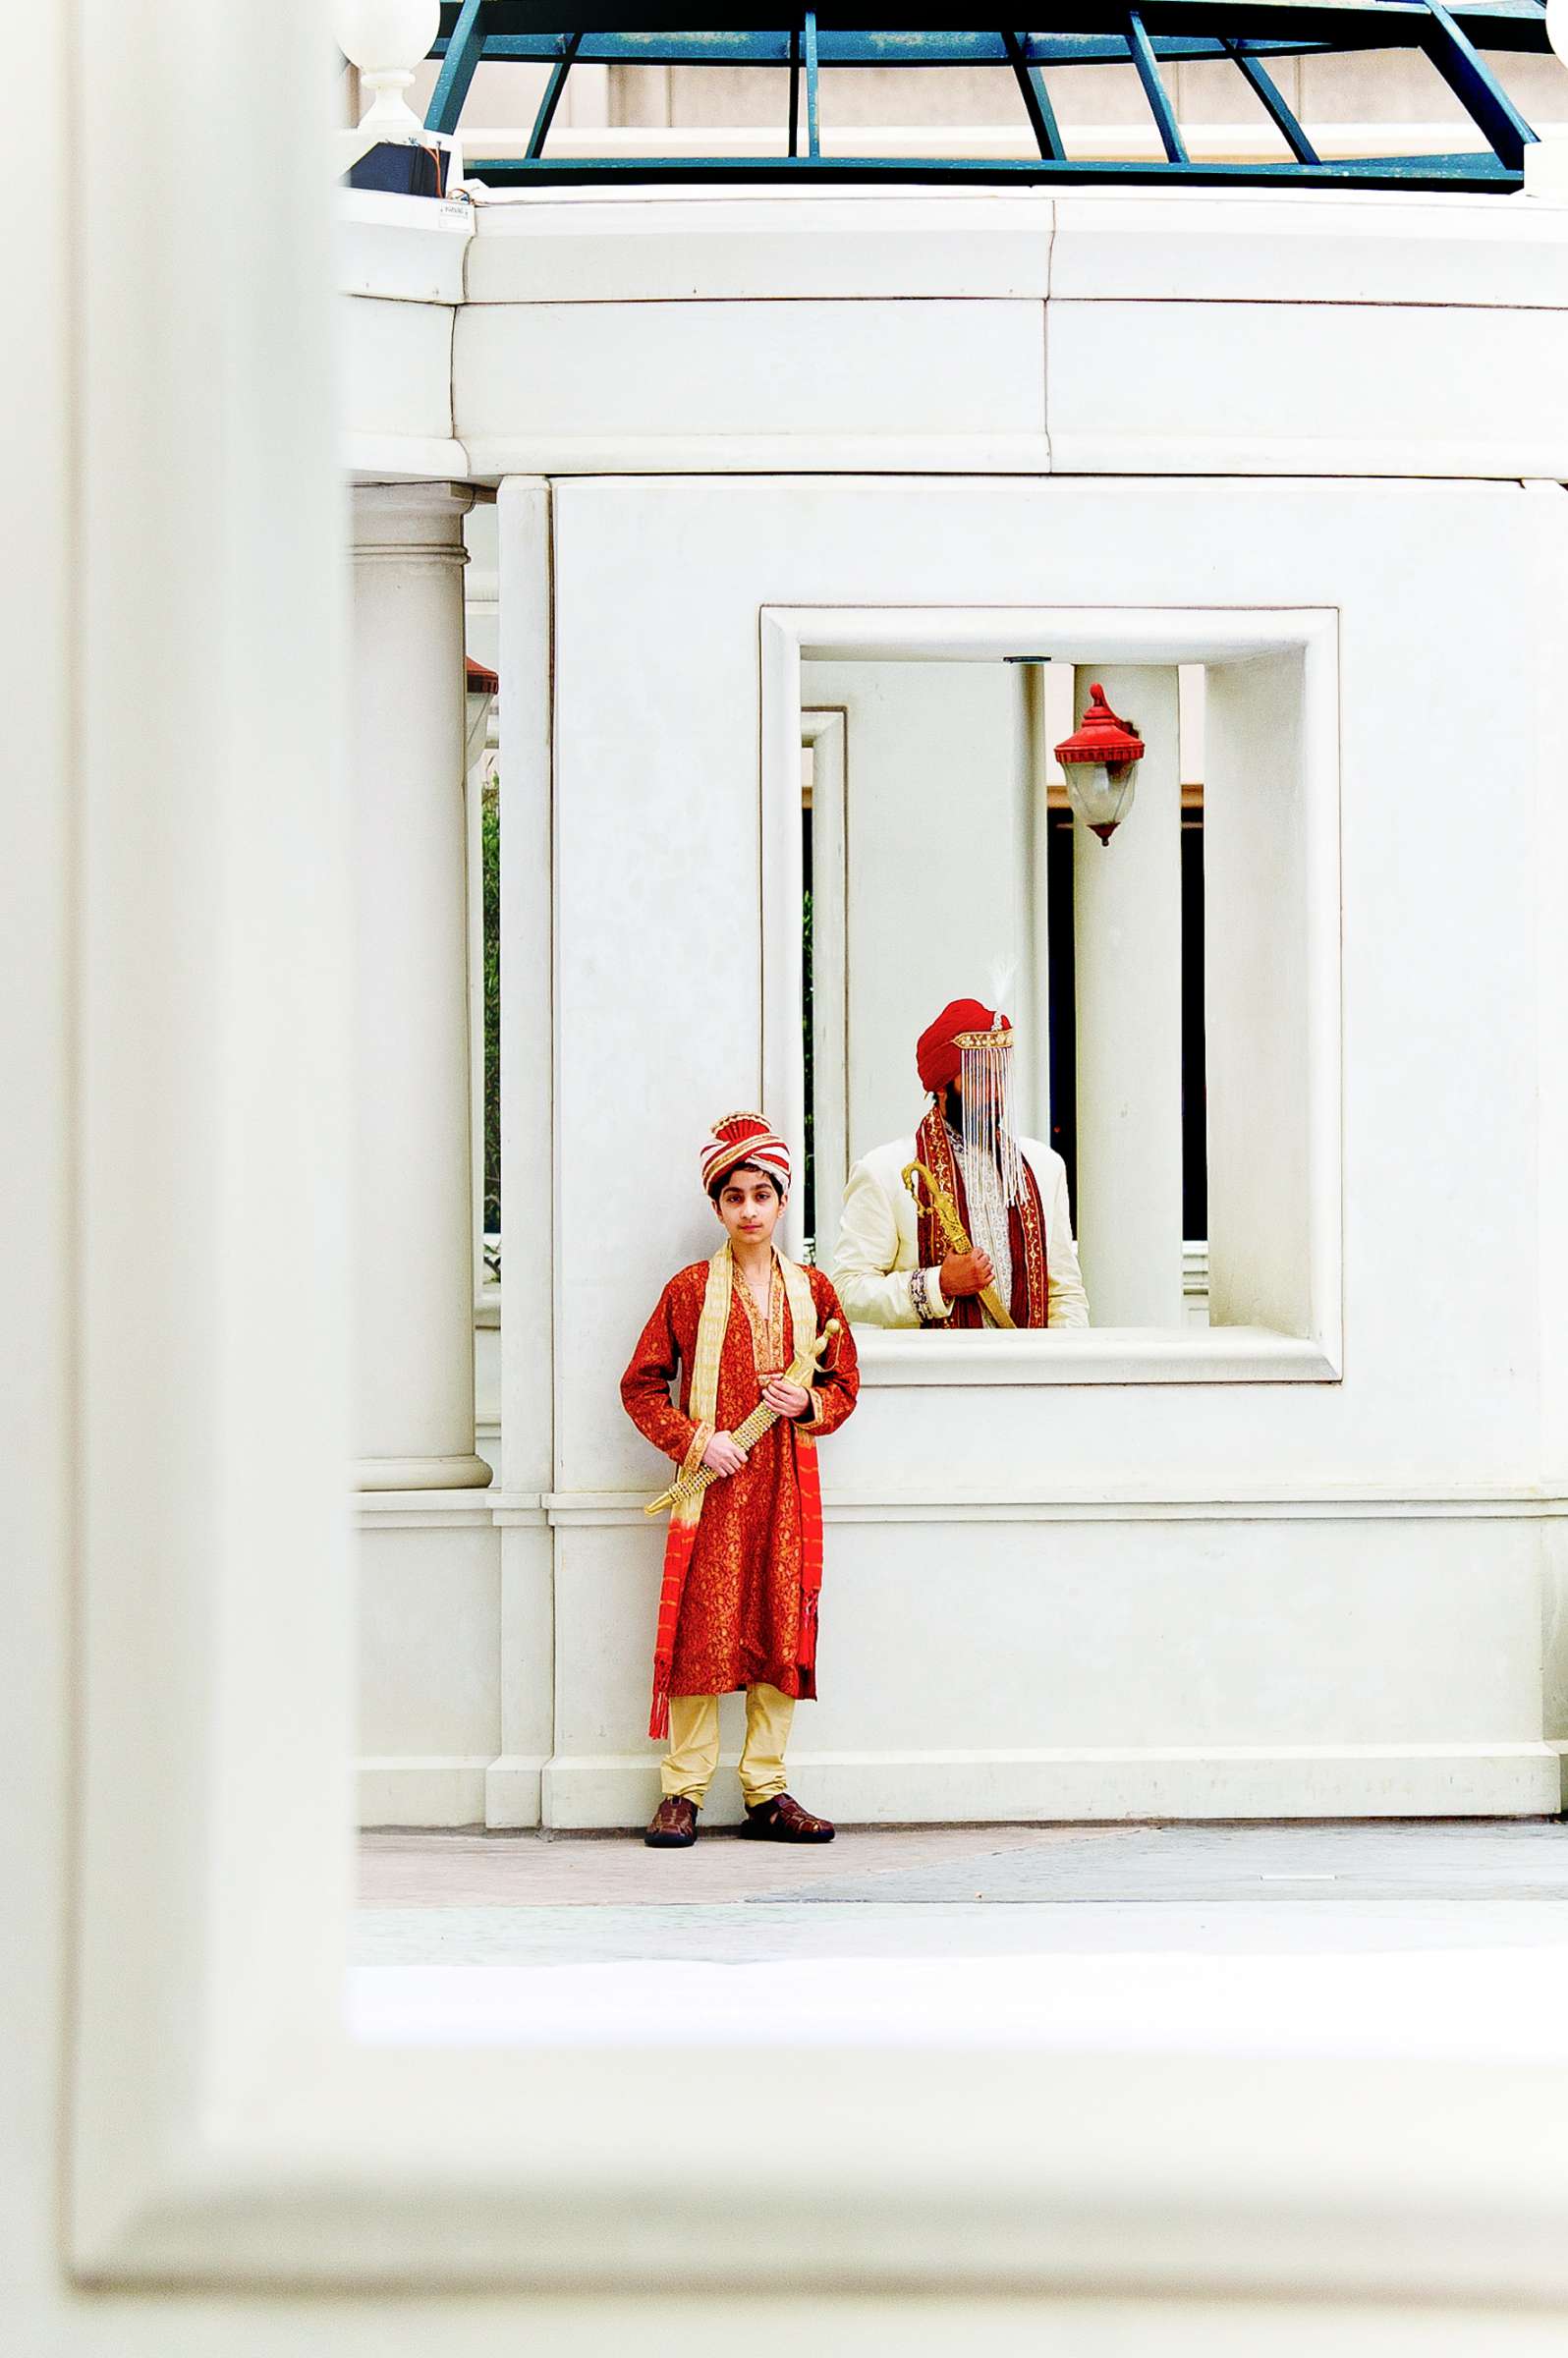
[896,1266]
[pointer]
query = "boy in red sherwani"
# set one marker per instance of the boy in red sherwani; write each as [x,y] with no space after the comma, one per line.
[743,1564]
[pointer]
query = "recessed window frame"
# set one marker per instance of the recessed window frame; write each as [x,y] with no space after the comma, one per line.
[1309,1347]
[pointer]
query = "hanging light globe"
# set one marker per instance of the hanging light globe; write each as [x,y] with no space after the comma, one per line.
[1099,762]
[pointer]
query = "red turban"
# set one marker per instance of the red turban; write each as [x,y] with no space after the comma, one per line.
[937,1051]
[744,1137]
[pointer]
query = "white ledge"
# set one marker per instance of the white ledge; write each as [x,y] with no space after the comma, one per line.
[402,249]
[1295,1503]
[403,458]
[445,1510]
[1094,1354]
[1262,1502]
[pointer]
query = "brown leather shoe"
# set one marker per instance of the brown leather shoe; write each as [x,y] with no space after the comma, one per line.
[673,1825]
[782,1820]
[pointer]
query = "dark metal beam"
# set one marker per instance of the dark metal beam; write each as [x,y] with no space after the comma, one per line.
[1036,99]
[464,50]
[512,31]
[1478,92]
[554,93]
[771,51]
[1157,33]
[1463,172]
[813,139]
[1279,114]
[1159,105]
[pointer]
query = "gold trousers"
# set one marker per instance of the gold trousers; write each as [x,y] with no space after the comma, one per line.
[694,1744]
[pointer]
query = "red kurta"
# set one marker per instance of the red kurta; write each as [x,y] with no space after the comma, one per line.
[740,1621]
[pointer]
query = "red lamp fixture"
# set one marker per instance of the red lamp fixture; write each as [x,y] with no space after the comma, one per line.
[1101,763]
[480,685]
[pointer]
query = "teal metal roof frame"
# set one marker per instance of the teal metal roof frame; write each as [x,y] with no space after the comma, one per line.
[1155,33]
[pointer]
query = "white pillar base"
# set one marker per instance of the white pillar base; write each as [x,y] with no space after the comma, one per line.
[1093,1786]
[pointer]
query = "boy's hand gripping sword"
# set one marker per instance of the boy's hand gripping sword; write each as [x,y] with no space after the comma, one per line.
[953,1229]
[799,1371]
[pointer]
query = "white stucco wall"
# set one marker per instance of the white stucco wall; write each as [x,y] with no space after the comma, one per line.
[1268,336]
[1015,1484]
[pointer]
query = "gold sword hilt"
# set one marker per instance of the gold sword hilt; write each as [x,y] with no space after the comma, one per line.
[954,1230]
[752,1429]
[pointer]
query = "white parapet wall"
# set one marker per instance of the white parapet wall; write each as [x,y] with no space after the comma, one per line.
[1185,332]
[1291,1566]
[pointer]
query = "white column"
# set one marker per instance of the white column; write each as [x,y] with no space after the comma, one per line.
[1126,955]
[411,1208]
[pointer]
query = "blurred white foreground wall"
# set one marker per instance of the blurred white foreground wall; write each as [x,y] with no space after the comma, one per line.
[191,2162]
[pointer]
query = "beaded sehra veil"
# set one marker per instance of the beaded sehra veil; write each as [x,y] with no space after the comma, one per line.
[993,1168]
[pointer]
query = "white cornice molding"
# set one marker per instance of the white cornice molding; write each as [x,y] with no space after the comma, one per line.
[483,352]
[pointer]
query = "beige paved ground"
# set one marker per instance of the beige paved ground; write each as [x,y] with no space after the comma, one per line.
[512,1871]
[1382,1938]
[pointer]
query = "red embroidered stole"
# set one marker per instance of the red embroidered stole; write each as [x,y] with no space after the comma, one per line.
[809,1474]
[1026,1229]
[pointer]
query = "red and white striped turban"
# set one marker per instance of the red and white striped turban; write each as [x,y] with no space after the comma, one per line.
[744,1137]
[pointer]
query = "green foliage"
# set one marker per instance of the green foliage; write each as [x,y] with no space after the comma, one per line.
[490,852]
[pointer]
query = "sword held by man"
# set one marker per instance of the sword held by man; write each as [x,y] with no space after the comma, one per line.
[953,1228]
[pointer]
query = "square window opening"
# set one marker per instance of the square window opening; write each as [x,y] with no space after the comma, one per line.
[1174,991]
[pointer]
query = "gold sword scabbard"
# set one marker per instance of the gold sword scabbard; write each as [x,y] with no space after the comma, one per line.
[953,1229]
[799,1371]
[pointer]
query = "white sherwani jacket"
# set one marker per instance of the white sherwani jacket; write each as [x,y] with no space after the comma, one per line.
[878,1242]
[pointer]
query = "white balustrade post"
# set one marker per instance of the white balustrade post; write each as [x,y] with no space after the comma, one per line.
[385,41]
[1127,957]
[412,1207]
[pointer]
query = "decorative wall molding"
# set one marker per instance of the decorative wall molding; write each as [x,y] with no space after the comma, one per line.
[449,1510]
[608,1508]
[440,1510]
